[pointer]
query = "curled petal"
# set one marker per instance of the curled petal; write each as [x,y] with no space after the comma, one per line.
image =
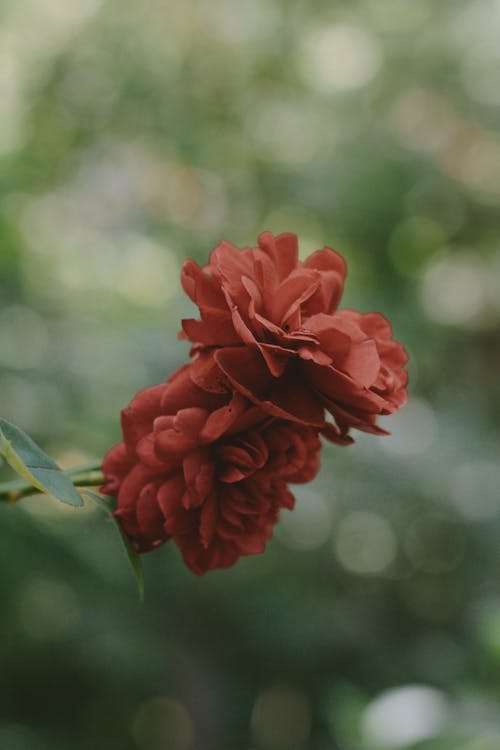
[287,398]
[283,251]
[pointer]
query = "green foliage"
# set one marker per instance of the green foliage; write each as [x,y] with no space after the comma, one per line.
[132,556]
[30,462]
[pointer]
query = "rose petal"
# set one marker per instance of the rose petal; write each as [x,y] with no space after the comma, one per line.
[288,398]
[362,363]
[202,290]
[221,420]
[283,250]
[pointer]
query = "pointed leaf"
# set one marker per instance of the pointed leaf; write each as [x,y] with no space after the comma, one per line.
[134,560]
[100,500]
[31,463]
[132,556]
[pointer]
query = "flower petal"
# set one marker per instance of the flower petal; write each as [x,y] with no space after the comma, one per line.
[288,397]
[283,250]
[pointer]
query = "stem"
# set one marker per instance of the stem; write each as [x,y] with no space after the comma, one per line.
[89,475]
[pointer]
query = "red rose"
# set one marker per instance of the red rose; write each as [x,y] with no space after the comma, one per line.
[270,325]
[207,469]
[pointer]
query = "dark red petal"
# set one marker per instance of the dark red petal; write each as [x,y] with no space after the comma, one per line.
[265,275]
[341,389]
[220,554]
[215,329]
[148,513]
[170,493]
[229,264]
[332,433]
[282,249]
[243,457]
[286,499]
[334,341]
[171,445]
[179,393]
[132,485]
[362,363]
[276,358]
[199,473]
[327,259]
[374,324]
[146,453]
[333,269]
[288,397]
[116,465]
[206,374]
[208,520]
[253,291]
[349,416]
[253,544]
[201,289]
[221,420]
[137,418]
[290,295]
[181,523]
[240,326]
[191,421]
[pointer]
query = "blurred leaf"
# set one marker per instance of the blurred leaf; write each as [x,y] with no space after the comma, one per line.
[132,556]
[31,463]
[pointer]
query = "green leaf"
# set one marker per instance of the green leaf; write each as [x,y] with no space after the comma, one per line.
[132,556]
[31,463]
[134,560]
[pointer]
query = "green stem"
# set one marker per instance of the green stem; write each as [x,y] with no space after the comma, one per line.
[89,475]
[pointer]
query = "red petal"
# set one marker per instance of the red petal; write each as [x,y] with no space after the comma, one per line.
[206,374]
[148,513]
[286,397]
[362,363]
[333,270]
[283,250]
[208,520]
[230,265]
[290,295]
[138,417]
[341,389]
[191,421]
[146,452]
[276,358]
[198,285]
[169,495]
[221,420]
[116,465]
[132,485]
[199,476]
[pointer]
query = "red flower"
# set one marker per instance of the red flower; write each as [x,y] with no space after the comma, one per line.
[270,325]
[207,469]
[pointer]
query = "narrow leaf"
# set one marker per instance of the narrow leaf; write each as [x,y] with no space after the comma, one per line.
[108,507]
[134,560]
[132,556]
[31,463]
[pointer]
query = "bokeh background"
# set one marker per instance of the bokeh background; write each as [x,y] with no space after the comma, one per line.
[135,134]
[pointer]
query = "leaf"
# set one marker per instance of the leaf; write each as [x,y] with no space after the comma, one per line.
[31,463]
[132,556]
[134,560]
[99,499]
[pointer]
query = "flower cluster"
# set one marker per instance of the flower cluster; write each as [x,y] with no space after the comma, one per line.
[207,457]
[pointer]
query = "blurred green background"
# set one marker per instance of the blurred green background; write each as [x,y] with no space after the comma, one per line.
[137,133]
